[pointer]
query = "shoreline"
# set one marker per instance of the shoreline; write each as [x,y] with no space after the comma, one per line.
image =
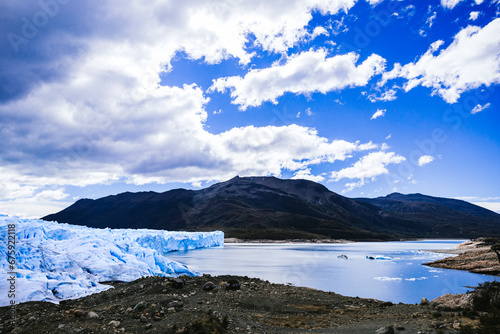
[474,256]
[160,304]
[326,241]
[184,305]
[286,241]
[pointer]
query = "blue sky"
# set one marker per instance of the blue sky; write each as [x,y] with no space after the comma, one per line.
[366,97]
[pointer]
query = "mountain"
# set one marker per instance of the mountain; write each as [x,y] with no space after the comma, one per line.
[444,215]
[272,208]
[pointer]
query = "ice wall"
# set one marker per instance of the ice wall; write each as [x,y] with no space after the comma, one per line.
[59,261]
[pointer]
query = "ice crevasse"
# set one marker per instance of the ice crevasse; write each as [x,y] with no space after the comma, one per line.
[56,261]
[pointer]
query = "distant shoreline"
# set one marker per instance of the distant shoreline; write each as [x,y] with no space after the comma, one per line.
[475,256]
[334,241]
[286,241]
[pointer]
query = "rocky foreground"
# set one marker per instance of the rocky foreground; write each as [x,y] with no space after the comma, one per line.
[245,305]
[476,256]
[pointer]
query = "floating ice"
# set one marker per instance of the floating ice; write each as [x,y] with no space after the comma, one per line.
[378,257]
[413,279]
[388,278]
[56,261]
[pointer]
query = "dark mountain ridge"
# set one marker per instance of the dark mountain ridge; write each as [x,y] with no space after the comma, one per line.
[272,208]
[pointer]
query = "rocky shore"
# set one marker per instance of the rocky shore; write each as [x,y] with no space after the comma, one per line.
[230,305]
[475,256]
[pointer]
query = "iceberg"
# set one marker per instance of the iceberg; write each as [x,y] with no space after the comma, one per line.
[378,257]
[51,262]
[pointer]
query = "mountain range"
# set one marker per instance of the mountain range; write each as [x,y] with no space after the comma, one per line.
[273,208]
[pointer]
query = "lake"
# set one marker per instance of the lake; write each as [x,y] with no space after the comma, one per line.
[397,276]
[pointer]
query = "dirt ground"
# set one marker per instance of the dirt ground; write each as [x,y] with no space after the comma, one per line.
[158,305]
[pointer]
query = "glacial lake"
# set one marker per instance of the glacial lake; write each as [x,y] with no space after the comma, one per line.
[397,276]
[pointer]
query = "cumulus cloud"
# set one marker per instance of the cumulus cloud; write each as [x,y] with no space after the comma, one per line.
[305,174]
[450,4]
[425,159]
[378,113]
[474,15]
[305,73]
[213,31]
[367,168]
[374,2]
[479,108]
[389,95]
[468,63]
[81,101]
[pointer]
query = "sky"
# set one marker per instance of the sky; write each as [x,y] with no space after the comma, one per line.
[366,97]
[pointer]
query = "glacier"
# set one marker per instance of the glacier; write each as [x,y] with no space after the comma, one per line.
[54,261]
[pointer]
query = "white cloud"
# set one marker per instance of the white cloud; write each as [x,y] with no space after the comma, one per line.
[490,203]
[425,159]
[103,116]
[305,73]
[378,113]
[305,174]
[450,4]
[318,31]
[374,2]
[150,35]
[469,62]
[474,15]
[57,194]
[429,22]
[31,207]
[389,136]
[493,206]
[478,2]
[479,108]
[367,168]
[196,184]
[268,150]
[411,180]
[389,95]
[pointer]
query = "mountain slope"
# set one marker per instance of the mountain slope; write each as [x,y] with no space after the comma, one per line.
[445,215]
[272,208]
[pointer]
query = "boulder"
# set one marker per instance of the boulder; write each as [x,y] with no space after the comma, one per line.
[114,323]
[177,283]
[453,302]
[209,286]
[80,313]
[92,315]
[140,306]
[233,285]
[385,330]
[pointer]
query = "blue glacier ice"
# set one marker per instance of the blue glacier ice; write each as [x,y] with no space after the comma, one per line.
[61,261]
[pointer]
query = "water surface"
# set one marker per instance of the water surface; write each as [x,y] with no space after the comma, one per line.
[401,278]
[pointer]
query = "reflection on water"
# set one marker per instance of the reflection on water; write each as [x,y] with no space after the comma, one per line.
[395,274]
